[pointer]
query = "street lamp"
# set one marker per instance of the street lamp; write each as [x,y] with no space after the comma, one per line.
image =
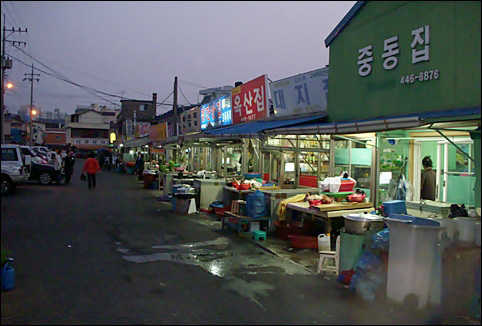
[9,85]
[32,113]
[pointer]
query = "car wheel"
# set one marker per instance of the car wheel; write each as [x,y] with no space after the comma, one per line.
[7,185]
[45,178]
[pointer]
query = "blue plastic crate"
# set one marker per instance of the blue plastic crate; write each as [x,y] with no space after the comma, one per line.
[394,207]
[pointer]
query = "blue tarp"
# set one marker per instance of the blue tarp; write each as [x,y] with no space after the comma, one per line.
[257,126]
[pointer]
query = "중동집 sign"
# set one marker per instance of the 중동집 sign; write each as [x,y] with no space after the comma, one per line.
[250,100]
[304,93]
[216,113]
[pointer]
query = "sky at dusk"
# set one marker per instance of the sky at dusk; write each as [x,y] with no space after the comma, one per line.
[97,52]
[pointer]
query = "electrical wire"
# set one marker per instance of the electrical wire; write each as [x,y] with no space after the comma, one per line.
[92,92]
[191,84]
[184,95]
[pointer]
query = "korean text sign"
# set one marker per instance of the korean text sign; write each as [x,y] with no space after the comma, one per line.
[250,101]
[216,113]
[304,93]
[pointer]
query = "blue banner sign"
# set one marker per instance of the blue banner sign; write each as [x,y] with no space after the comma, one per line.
[216,113]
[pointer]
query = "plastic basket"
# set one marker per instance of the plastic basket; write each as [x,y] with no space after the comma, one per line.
[347,185]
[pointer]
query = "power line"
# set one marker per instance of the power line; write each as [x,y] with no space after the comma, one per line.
[191,84]
[184,96]
[91,91]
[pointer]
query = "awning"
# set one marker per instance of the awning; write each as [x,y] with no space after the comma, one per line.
[355,126]
[253,128]
[137,142]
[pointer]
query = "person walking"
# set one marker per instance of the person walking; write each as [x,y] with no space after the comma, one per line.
[428,180]
[91,166]
[58,167]
[139,164]
[69,167]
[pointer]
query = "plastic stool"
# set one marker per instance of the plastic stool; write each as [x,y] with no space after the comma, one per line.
[259,235]
[323,265]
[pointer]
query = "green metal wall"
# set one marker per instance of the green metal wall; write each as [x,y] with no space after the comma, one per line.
[455,51]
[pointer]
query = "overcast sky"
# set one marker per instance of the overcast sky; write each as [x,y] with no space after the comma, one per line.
[134,48]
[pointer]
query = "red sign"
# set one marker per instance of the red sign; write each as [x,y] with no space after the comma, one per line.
[250,101]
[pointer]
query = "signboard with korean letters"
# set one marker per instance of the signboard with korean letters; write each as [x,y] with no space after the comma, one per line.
[303,93]
[393,59]
[250,101]
[216,113]
[90,141]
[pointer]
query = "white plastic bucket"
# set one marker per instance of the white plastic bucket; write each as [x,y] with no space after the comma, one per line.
[477,234]
[324,242]
[411,260]
[466,229]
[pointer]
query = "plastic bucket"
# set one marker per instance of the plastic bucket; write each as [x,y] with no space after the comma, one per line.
[8,277]
[324,242]
[466,229]
[411,258]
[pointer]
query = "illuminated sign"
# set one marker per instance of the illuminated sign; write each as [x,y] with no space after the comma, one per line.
[250,100]
[112,137]
[216,113]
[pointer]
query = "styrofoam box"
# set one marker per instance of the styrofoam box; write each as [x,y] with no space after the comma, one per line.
[254,226]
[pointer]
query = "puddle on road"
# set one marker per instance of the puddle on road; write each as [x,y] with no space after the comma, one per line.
[216,260]
[223,263]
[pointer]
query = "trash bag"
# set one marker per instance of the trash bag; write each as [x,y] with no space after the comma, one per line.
[381,240]
[255,204]
[368,277]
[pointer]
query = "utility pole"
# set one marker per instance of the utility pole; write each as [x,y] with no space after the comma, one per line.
[31,79]
[6,63]
[174,106]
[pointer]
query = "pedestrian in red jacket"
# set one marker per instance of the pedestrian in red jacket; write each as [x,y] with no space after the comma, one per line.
[91,166]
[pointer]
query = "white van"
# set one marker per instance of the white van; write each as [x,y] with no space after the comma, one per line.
[14,168]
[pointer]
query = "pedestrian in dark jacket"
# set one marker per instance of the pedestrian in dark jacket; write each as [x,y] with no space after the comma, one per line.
[139,164]
[428,186]
[69,167]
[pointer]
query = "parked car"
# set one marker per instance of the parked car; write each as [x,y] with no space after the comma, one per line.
[14,168]
[44,173]
[41,149]
[35,158]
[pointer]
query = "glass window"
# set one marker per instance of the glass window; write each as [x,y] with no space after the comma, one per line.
[9,154]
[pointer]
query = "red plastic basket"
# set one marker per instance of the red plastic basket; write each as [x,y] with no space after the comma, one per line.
[347,185]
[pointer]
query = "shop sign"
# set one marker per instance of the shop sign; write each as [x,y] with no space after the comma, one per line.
[112,137]
[420,52]
[142,129]
[304,93]
[216,113]
[90,141]
[250,101]
[158,132]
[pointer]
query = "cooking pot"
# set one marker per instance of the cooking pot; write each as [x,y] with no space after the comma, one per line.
[362,223]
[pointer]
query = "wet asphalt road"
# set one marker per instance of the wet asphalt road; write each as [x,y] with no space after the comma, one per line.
[116,255]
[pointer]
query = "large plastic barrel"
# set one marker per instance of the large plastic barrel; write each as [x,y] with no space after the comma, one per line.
[412,258]
[255,204]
